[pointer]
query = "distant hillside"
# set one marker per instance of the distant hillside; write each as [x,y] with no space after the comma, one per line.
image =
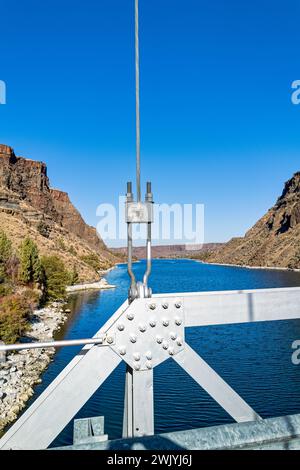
[172,251]
[29,206]
[274,240]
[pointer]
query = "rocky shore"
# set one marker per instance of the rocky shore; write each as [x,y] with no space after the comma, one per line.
[102,284]
[22,370]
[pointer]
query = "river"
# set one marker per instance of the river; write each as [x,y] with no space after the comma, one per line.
[255,359]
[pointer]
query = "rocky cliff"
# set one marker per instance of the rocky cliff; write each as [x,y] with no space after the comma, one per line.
[28,205]
[274,240]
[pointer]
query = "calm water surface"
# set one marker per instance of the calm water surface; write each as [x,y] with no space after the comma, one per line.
[255,359]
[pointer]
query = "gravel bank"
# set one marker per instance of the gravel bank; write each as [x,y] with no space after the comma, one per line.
[22,370]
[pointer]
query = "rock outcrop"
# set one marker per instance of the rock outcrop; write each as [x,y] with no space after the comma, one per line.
[274,240]
[28,205]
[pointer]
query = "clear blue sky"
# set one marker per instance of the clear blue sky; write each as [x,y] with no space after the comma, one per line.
[218,126]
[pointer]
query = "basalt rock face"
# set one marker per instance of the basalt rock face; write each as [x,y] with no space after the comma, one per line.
[27,202]
[274,240]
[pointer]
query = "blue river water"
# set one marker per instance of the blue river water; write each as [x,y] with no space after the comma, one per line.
[255,359]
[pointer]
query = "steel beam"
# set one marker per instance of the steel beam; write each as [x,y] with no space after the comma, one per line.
[226,307]
[138,410]
[215,386]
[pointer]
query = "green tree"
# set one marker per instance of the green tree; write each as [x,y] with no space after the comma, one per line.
[5,254]
[73,276]
[56,277]
[30,269]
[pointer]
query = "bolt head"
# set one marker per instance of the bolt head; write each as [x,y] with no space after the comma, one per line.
[171,351]
[178,321]
[121,327]
[149,365]
[152,306]
[137,366]
[178,304]
[165,322]
[122,351]
[142,328]
[133,338]
[165,345]
[130,316]
[165,305]
[179,341]
[173,335]
[159,339]
[152,323]
[136,356]
[110,339]
[149,355]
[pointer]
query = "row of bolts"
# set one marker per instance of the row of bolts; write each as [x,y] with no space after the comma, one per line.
[159,339]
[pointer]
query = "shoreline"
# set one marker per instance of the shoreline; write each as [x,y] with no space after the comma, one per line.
[245,266]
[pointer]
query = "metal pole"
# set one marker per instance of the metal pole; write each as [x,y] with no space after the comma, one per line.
[137,99]
[51,344]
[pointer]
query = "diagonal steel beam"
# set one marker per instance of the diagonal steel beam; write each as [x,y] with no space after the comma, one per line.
[215,386]
[64,397]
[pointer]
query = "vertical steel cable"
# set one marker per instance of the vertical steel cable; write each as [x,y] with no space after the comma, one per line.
[137,97]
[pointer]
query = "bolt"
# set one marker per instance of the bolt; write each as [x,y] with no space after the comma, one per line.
[152,323]
[171,351]
[165,322]
[133,338]
[149,365]
[165,344]
[110,339]
[152,306]
[178,304]
[122,351]
[142,328]
[159,339]
[137,356]
[130,316]
[121,327]
[165,306]
[149,355]
[137,366]
[173,335]
[179,341]
[178,321]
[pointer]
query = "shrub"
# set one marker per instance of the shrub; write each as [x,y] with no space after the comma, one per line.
[30,269]
[43,229]
[14,313]
[72,250]
[5,254]
[92,260]
[61,244]
[56,277]
[73,276]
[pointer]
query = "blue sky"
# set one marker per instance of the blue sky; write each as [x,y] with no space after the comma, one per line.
[218,125]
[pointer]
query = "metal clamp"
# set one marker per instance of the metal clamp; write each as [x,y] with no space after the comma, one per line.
[139,213]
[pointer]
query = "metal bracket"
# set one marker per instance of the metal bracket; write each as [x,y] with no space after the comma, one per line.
[139,212]
[149,332]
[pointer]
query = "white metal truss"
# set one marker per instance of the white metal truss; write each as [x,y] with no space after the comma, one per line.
[144,334]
